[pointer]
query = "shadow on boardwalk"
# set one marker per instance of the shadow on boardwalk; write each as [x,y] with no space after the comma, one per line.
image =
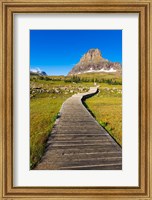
[78,142]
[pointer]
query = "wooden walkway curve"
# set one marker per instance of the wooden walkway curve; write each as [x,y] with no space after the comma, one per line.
[78,142]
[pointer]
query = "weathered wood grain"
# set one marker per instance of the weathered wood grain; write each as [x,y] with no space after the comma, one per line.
[78,142]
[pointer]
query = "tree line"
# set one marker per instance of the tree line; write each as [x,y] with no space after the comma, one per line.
[78,79]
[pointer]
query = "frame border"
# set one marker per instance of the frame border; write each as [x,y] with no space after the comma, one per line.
[8,8]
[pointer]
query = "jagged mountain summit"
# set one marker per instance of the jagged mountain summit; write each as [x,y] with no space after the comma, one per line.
[93,61]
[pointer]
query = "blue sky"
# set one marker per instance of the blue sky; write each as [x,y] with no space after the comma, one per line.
[57,51]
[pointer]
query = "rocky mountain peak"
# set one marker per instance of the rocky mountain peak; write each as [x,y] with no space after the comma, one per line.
[93,55]
[92,61]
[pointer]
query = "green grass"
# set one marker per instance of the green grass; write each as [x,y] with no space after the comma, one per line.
[47,97]
[101,75]
[43,113]
[111,78]
[107,109]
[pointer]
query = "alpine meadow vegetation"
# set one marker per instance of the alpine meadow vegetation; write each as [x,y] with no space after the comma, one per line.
[47,94]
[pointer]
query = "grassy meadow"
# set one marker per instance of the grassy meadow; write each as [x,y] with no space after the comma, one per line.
[106,107]
[48,93]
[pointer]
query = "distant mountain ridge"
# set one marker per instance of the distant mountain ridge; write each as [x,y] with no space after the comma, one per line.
[37,72]
[93,61]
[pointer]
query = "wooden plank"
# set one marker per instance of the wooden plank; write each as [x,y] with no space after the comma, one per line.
[78,142]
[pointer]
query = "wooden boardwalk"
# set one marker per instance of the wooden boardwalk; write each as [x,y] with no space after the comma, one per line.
[78,142]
